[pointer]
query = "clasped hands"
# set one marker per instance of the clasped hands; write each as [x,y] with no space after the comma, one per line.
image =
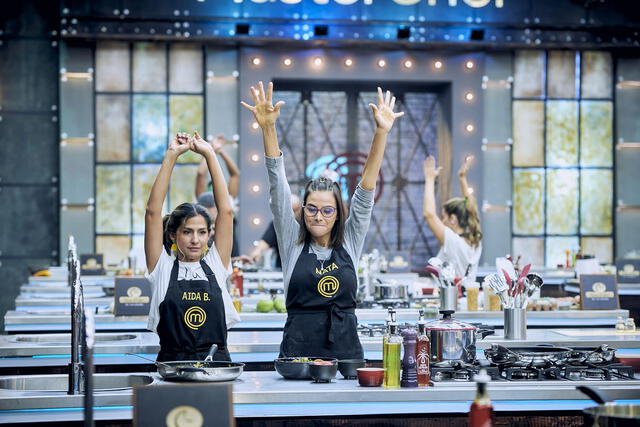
[184,142]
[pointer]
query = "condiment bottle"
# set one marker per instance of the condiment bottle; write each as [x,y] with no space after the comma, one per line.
[237,303]
[238,279]
[481,414]
[621,327]
[423,353]
[393,348]
[385,337]
[409,373]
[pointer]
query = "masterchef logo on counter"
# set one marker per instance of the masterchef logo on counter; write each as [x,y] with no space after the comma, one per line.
[184,416]
[599,290]
[328,286]
[629,270]
[134,296]
[195,317]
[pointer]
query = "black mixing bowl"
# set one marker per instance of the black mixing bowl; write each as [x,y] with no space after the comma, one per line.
[348,367]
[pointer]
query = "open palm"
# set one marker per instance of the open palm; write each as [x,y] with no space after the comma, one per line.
[264,111]
[383,112]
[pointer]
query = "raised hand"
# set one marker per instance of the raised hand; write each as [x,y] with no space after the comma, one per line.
[218,143]
[466,165]
[179,144]
[430,169]
[264,111]
[199,145]
[383,112]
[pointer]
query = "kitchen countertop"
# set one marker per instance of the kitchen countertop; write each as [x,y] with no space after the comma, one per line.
[268,394]
[263,346]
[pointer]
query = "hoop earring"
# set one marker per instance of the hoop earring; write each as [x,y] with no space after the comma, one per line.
[174,248]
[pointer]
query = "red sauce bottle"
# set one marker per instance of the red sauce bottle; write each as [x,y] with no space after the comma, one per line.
[481,414]
[423,354]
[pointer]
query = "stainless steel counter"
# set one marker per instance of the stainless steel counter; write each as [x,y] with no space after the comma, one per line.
[18,350]
[293,397]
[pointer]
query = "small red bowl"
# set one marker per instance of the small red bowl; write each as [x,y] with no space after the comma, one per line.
[370,377]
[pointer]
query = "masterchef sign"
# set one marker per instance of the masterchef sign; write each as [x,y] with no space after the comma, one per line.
[451,3]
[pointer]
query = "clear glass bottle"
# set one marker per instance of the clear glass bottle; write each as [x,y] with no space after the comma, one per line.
[630,325]
[392,363]
[621,327]
[423,353]
[385,337]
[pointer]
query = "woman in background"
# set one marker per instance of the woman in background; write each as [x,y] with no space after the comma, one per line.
[458,228]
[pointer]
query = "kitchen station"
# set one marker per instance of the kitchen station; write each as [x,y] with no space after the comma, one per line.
[326,212]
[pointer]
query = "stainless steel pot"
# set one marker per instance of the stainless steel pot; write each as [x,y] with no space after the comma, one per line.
[452,340]
[385,291]
[608,414]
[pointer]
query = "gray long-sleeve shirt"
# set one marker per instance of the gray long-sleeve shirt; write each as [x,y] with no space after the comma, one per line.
[287,228]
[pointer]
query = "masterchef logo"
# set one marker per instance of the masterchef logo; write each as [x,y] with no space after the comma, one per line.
[184,416]
[134,296]
[328,286]
[195,317]
[599,290]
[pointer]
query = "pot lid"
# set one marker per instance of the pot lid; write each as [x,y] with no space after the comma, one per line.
[448,323]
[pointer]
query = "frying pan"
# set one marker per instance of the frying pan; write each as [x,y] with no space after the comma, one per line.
[197,371]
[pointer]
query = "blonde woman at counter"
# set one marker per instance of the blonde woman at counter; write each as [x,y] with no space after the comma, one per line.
[191,308]
[458,230]
[320,254]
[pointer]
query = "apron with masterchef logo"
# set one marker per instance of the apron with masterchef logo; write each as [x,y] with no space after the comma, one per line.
[192,318]
[321,302]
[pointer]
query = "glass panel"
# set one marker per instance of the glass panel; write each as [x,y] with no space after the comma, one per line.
[528,202]
[596,190]
[596,122]
[112,67]
[143,177]
[149,127]
[113,128]
[530,248]
[183,184]
[562,201]
[562,133]
[562,74]
[597,72]
[529,74]
[528,133]
[557,248]
[115,249]
[149,67]
[113,199]
[186,115]
[601,247]
[185,68]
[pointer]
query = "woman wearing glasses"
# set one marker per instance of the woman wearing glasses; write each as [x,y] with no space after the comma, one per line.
[320,254]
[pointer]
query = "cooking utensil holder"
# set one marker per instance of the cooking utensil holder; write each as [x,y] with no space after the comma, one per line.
[515,323]
[449,298]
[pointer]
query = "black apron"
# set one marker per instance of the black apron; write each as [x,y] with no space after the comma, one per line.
[192,318]
[321,304]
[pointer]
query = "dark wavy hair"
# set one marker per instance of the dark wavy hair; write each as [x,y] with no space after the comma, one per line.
[337,232]
[178,217]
